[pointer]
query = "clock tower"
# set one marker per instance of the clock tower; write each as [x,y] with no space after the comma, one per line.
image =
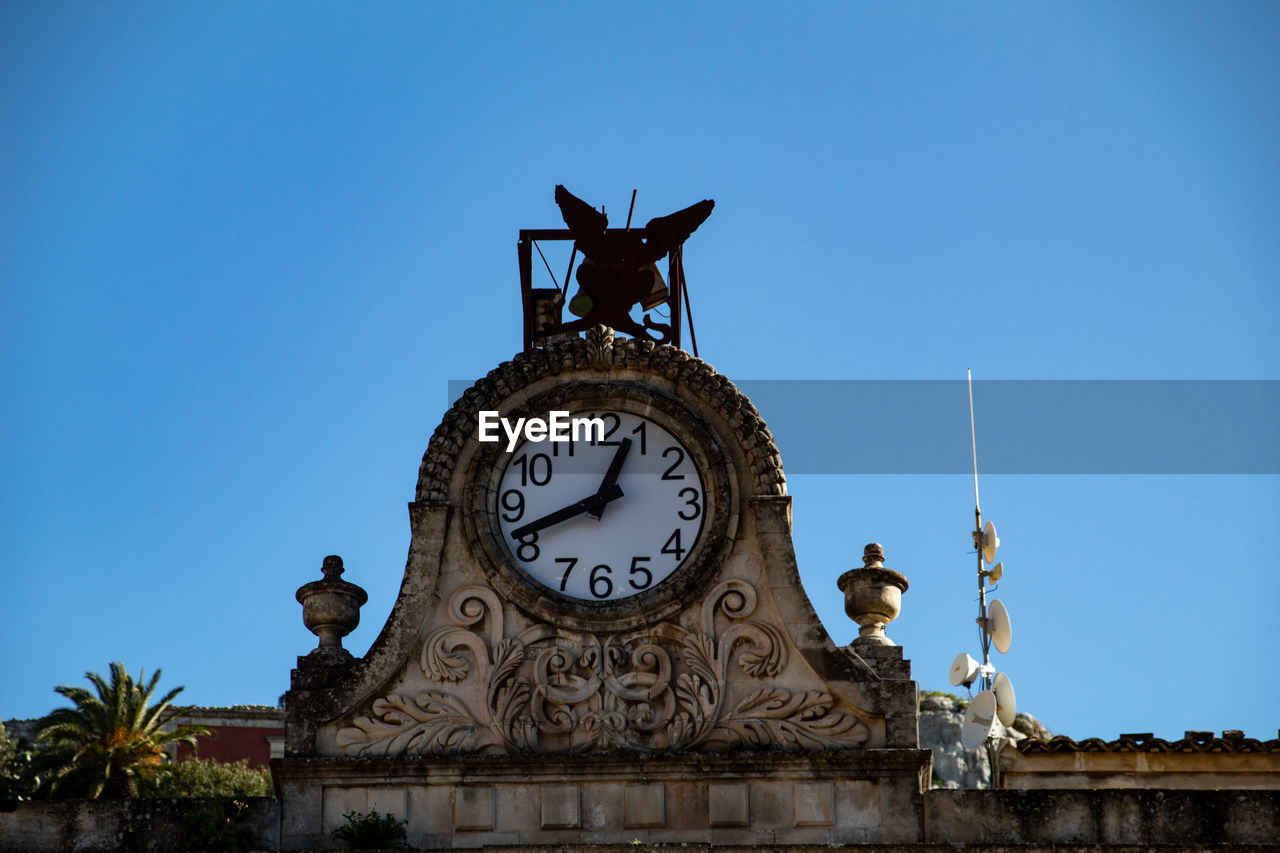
[603,638]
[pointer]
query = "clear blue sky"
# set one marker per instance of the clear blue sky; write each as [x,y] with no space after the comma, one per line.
[244,246]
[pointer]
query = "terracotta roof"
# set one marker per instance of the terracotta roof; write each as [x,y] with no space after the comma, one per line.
[1231,741]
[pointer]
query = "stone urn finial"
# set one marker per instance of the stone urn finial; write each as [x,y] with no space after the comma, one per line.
[331,610]
[872,596]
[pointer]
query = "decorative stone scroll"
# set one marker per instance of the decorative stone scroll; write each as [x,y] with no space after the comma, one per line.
[550,690]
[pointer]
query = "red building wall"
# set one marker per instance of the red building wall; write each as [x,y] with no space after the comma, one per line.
[232,743]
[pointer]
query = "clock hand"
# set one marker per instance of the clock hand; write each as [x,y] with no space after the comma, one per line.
[610,480]
[598,500]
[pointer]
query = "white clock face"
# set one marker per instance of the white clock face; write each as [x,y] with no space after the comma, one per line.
[606,519]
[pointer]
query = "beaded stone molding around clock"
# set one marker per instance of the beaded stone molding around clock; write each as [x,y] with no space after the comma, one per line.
[549,690]
[600,350]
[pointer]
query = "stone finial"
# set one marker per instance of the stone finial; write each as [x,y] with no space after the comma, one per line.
[331,610]
[331,568]
[873,556]
[872,596]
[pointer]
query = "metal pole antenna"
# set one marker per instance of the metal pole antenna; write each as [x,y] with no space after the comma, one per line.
[973,443]
[977,544]
[982,590]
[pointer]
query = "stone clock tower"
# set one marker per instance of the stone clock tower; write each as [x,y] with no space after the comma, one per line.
[603,640]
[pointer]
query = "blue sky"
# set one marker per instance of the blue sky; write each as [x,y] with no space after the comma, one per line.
[245,246]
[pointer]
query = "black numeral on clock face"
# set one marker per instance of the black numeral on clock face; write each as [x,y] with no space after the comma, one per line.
[569,562]
[672,545]
[529,469]
[513,505]
[528,549]
[670,474]
[691,506]
[601,583]
[636,568]
[614,422]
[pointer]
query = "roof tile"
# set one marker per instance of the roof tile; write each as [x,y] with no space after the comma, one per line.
[1232,740]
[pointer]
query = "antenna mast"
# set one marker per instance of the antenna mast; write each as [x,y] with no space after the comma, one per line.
[995,705]
[977,544]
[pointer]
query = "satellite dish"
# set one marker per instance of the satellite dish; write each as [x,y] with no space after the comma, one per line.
[998,625]
[990,542]
[979,721]
[964,670]
[1006,703]
[996,572]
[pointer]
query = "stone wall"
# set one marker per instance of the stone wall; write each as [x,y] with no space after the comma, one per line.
[765,798]
[986,821]
[139,826]
[1104,816]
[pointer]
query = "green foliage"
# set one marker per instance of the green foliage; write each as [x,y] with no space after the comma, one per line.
[18,778]
[371,831]
[108,743]
[961,704]
[198,777]
[9,746]
[222,824]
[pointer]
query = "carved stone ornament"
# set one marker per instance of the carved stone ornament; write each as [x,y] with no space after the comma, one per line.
[599,345]
[549,690]
[478,661]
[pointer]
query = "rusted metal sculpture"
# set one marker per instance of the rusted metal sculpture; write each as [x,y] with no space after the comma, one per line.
[619,270]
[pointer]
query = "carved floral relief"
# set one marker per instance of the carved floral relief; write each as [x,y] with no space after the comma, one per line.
[551,690]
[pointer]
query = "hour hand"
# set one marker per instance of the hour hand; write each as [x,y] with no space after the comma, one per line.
[610,480]
[592,504]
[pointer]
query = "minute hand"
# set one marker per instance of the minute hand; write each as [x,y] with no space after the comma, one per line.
[591,504]
[610,480]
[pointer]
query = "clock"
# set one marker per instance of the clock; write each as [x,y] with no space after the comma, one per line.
[601,518]
[619,525]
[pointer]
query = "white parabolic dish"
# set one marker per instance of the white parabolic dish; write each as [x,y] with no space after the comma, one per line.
[964,669]
[990,542]
[999,626]
[1006,702]
[979,721]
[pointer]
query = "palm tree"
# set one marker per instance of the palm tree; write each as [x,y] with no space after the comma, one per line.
[106,744]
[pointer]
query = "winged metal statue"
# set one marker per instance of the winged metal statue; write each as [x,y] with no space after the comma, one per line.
[620,269]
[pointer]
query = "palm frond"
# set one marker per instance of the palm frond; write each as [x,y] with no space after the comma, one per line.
[106,743]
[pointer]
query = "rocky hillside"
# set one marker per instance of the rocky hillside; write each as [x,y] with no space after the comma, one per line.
[941,716]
